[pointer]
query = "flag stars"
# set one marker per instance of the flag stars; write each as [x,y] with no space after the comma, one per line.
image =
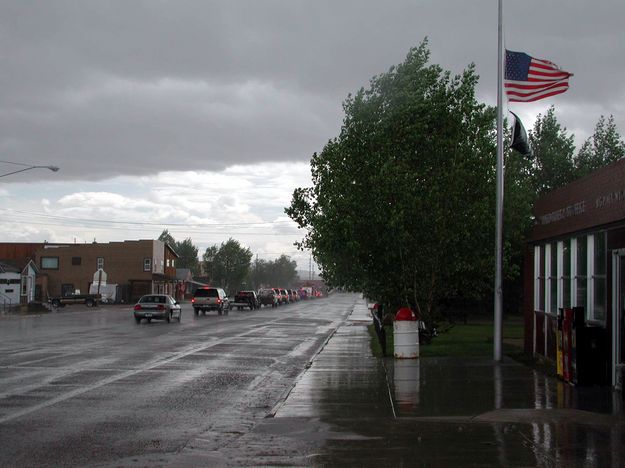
[528,79]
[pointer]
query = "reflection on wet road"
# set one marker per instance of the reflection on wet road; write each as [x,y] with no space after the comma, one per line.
[533,419]
[90,386]
[353,409]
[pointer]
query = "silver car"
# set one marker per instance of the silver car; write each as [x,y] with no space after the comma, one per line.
[157,306]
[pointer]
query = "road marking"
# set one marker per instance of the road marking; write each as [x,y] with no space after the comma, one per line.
[123,375]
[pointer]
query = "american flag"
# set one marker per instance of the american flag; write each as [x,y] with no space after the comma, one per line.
[529,79]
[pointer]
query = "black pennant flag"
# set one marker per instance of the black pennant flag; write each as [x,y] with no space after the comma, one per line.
[519,138]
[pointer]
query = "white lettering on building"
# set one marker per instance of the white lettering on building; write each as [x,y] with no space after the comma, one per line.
[563,213]
[612,197]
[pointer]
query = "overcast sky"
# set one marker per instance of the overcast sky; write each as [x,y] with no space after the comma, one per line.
[185,114]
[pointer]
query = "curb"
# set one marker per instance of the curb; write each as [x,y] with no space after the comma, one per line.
[286,393]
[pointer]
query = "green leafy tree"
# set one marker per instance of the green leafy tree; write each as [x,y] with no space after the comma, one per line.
[188,255]
[187,252]
[402,203]
[519,198]
[553,151]
[604,147]
[209,262]
[167,238]
[281,272]
[229,265]
[259,273]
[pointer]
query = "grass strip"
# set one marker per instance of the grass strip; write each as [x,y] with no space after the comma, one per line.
[471,339]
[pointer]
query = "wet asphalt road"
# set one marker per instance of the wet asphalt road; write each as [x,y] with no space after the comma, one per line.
[89,386]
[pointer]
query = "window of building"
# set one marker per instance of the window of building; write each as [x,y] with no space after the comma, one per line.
[598,278]
[99,263]
[76,260]
[552,277]
[172,262]
[147,264]
[24,286]
[49,263]
[565,273]
[539,278]
[581,271]
[167,263]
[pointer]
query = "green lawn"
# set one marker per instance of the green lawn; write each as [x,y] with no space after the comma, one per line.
[472,339]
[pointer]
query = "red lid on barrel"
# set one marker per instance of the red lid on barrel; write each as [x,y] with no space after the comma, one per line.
[405,313]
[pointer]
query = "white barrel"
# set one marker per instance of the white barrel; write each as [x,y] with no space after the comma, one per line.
[406,337]
[406,377]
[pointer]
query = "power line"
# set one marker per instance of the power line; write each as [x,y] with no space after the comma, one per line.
[137,229]
[142,223]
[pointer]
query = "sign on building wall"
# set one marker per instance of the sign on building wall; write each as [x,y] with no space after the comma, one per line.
[595,200]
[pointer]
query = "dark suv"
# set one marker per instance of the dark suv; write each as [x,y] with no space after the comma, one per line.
[246,299]
[268,297]
[210,299]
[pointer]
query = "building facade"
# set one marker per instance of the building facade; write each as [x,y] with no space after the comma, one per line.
[137,266]
[18,282]
[10,280]
[576,259]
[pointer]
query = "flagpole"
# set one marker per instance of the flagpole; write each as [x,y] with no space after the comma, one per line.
[497,332]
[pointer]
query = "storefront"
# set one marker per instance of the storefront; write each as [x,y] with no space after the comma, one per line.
[576,259]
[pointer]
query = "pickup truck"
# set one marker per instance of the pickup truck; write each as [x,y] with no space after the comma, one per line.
[90,300]
[245,299]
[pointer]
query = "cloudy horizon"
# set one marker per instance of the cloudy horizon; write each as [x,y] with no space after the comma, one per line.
[185,115]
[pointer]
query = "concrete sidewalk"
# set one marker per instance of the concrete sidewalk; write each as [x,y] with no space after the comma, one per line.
[352,409]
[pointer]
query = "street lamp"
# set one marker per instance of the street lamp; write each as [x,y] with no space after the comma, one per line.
[27,167]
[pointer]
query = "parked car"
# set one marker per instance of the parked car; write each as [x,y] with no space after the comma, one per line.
[268,297]
[206,299]
[284,296]
[246,299]
[293,295]
[278,294]
[157,306]
[90,300]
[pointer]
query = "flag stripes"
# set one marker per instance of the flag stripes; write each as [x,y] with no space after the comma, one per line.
[528,79]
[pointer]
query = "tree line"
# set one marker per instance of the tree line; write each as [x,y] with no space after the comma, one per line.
[230,266]
[402,205]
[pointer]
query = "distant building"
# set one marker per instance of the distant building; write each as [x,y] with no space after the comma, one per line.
[10,280]
[185,284]
[17,282]
[137,266]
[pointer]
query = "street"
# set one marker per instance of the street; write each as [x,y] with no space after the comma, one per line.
[89,386]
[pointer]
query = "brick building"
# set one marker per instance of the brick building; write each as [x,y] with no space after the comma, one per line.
[576,259]
[138,267]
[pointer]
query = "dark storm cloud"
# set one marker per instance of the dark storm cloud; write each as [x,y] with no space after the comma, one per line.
[103,88]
